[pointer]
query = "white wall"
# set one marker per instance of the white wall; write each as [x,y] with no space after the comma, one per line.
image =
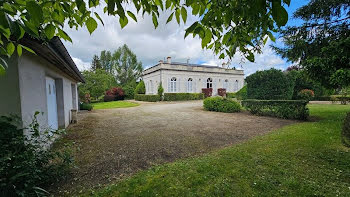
[199,80]
[32,72]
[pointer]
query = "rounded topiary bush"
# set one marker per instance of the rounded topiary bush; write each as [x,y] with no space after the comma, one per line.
[220,104]
[140,88]
[346,131]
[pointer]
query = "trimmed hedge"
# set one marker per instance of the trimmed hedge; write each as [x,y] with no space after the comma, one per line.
[346,131]
[242,93]
[149,98]
[230,95]
[288,109]
[86,106]
[183,96]
[220,104]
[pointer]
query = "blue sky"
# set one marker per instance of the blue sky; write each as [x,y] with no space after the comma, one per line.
[151,45]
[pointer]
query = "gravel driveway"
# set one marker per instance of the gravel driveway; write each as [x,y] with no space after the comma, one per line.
[114,143]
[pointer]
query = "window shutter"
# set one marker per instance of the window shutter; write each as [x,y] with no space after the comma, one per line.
[178,89]
[168,85]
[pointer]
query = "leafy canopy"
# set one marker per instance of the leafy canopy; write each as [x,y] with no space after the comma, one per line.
[224,26]
[321,44]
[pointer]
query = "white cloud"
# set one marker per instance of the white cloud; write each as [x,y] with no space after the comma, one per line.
[151,45]
[81,64]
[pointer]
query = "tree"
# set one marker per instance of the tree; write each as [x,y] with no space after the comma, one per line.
[140,88]
[126,66]
[95,64]
[223,26]
[106,61]
[160,90]
[96,83]
[321,44]
[269,85]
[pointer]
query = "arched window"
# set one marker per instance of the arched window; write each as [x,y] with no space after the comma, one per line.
[209,83]
[235,87]
[173,84]
[226,84]
[189,85]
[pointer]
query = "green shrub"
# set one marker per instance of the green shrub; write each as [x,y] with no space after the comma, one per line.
[86,106]
[129,91]
[160,90]
[230,95]
[346,131]
[220,104]
[140,88]
[288,109]
[306,94]
[25,166]
[270,85]
[183,96]
[149,98]
[242,93]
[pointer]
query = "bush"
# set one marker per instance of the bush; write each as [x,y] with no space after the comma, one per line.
[346,131]
[242,93]
[222,92]
[220,104]
[270,85]
[208,92]
[86,106]
[129,91]
[117,92]
[322,98]
[149,98]
[109,98]
[288,109]
[230,95]
[25,166]
[160,90]
[183,96]
[306,94]
[140,88]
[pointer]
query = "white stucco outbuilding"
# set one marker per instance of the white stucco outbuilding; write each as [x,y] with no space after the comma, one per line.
[191,78]
[45,82]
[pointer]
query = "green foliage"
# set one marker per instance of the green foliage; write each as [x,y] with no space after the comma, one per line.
[346,131]
[269,85]
[96,83]
[220,104]
[323,54]
[96,64]
[25,165]
[140,88]
[44,19]
[242,93]
[183,96]
[306,94]
[129,90]
[149,98]
[288,109]
[160,90]
[230,95]
[85,106]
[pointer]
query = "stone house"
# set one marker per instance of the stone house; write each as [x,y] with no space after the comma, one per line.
[191,78]
[45,82]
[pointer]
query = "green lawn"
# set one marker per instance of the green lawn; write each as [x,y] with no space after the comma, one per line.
[303,159]
[114,104]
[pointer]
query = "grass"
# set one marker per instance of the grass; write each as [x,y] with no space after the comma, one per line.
[114,104]
[303,159]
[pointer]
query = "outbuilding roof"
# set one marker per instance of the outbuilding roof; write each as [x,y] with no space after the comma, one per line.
[56,53]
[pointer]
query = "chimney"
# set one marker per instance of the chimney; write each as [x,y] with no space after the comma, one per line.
[224,65]
[161,61]
[168,60]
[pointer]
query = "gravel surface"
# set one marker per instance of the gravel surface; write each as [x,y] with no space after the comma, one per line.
[112,144]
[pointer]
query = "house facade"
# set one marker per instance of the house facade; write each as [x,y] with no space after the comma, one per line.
[45,82]
[191,78]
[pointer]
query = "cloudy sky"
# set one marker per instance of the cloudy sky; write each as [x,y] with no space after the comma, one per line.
[151,45]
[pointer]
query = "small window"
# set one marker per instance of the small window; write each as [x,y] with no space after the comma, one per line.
[235,87]
[189,85]
[209,83]
[173,85]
